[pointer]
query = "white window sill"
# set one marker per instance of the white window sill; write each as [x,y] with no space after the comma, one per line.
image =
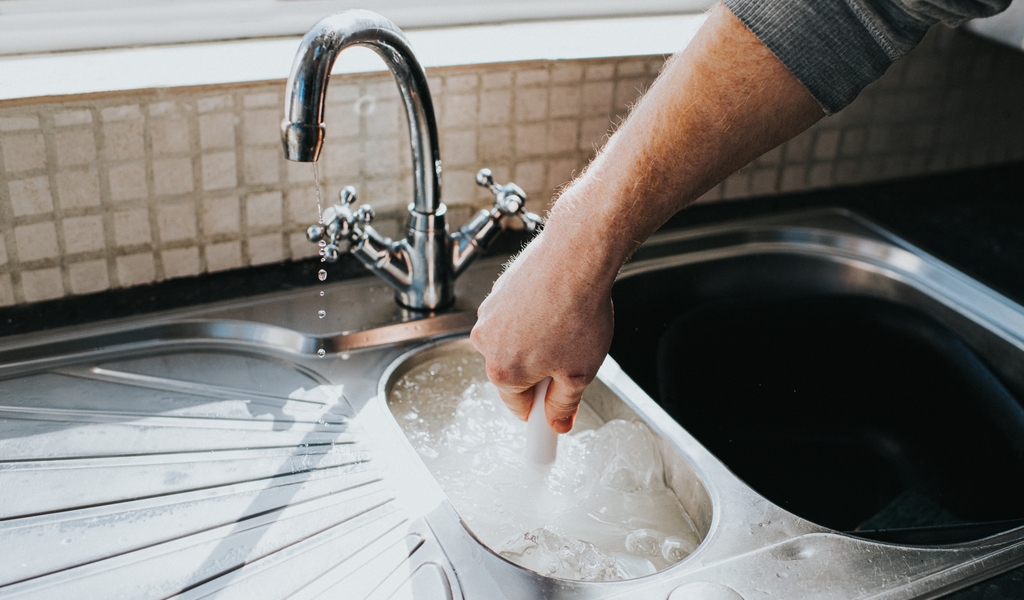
[74,73]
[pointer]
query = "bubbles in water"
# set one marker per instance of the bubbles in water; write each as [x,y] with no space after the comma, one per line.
[322,275]
[321,353]
[601,512]
[321,313]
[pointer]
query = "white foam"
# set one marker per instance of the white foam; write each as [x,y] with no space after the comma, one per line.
[601,511]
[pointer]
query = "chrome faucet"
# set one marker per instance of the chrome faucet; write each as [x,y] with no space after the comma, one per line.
[422,267]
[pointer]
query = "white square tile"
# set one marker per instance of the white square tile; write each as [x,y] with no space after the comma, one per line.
[217,130]
[212,103]
[530,176]
[176,222]
[83,234]
[124,140]
[136,269]
[261,165]
[19,123]
[631,68]
[128,181]
[265,249]
[129,112]
[220,171]
[383,158]
[459,148]
[736,185]
[225,256]
[24,152]
[6,290]
[131,227]
[69,118]
[495,145]
[220,215]
[302,205]
[495,107]
[531,139]
[531,104]
[263,210]
[301,247]
[459,110]
[262,99]
[30,196]
[79,188]
[161,109]
[461,83]
[172,176]
[563,136]
[261,127]
[565,101]
[763,181]
[597,98]
[36,241]
[89,277]
[75,147]
[496,79]
[826,144]
[339,161]
[460,188]
[381,118]
[43,284]
[180,262]
[600,71]
[170,137]
[567,72]
[532,76]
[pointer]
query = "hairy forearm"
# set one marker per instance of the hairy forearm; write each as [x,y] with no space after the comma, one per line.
[717,105]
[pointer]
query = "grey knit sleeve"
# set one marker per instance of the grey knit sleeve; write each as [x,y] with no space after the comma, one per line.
[836,47]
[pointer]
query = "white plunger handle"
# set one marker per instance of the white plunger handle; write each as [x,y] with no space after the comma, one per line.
[541,440]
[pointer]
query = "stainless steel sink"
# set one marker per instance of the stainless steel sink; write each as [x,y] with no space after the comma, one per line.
[209,452]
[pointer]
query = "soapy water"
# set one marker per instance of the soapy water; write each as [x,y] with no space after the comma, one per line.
[602,511]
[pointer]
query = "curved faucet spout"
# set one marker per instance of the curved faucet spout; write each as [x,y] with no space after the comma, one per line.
[302,130]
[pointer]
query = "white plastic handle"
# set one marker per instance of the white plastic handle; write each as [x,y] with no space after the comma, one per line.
[541,440]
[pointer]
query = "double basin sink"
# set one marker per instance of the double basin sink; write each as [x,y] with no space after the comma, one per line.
[838,414]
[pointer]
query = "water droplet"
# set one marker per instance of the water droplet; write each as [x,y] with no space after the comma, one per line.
[323,243]
[321,293]
[345,356]
[321,353]
[322,275]
[321,314]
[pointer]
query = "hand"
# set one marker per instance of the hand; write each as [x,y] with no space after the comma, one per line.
[544,318]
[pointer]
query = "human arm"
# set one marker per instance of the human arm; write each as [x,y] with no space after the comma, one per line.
[719,104]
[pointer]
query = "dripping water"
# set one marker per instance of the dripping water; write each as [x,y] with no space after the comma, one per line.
[322,273]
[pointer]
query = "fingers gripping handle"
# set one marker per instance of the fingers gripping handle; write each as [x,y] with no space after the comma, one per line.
[541,440]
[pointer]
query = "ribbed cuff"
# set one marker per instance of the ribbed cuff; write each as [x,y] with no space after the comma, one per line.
[822,43]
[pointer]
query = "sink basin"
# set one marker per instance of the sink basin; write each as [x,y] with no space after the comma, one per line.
[209,451]
[840,391]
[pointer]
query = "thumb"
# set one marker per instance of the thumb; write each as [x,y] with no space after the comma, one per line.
[561,404]
[519,402]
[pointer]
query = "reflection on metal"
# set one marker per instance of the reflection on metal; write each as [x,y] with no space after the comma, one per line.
[207,452]
[422,267]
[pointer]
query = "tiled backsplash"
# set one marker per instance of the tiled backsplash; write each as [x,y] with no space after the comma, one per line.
[122,190]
